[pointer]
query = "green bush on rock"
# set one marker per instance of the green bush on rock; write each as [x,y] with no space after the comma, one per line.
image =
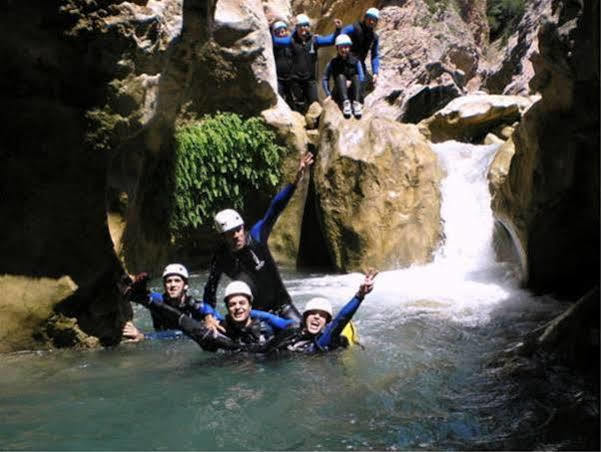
[503,17]
[219,160]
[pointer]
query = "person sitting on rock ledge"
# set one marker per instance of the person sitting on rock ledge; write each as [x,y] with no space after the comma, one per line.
[347,73]
[365,40]
[175,283]
[304,46]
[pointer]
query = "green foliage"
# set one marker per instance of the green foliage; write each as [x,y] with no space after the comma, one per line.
[219,160]
[503,17]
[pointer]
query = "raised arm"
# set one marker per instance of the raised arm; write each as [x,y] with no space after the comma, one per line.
[335,327]
[284,41]
[328,40]
[262,228]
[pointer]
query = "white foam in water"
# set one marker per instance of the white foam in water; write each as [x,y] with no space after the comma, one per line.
[464,282]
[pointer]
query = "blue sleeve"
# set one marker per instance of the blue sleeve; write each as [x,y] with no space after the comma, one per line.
[274,321]
[206,309]
[284,41]
[335,327]
[375,56]
[360,71]
[325,81]
[348,30]
[165,334]
[261,230]
[155,297]
[324,41]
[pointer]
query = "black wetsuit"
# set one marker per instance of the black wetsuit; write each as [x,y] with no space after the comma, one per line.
[255,265]
[343,70]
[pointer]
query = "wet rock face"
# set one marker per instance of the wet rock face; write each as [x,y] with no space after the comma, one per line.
[550,196]
[376,189]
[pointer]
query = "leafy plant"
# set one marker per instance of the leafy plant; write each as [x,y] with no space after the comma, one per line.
[503,17]
[219,160]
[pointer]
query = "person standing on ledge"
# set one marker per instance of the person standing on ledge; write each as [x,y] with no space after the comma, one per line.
[244,255]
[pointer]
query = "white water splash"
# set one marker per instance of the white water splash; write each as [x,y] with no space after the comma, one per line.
[464,282]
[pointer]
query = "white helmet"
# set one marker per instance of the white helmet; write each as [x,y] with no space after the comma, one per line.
[302,19]
[238,288]
[228,219]
[175,269]
[373,13]
[343,40]
[279,24]
[318,304]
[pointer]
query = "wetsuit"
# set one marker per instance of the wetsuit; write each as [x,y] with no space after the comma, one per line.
[254,337]
[299,340]
[343,70]
[365,40]
[254,265]
[283,67]
[304,61]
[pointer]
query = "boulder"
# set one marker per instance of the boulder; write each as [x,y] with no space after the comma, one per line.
[469,118]
[377,196]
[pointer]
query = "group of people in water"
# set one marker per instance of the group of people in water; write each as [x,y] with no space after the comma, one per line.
[296,60]
[261,317]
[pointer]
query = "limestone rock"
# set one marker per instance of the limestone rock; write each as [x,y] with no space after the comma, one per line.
[550,198]
[312,115]
[289,126]
[469,118]
[27,304]
[377,195]
[491,138]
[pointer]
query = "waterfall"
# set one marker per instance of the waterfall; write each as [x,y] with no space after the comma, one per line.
[463,282]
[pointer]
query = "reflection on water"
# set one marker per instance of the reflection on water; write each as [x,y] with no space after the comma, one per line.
[423,381]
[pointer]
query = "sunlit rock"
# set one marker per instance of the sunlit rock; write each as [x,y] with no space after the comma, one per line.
[377,194]
[469,118]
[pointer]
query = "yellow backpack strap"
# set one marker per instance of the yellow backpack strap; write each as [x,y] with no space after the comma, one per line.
[351,333]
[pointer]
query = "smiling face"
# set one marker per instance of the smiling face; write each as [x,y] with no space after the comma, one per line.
[175,286]
[238,307]
[343,51]
[235,238]
[315,321]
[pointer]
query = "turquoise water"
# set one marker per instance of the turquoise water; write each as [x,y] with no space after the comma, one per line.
[422,382]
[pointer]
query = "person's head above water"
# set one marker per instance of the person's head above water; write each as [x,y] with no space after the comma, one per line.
[280,29]
[372,15]
[175,281]
[317,313]
[230,225]
[238,300]
[343,45]
[303,25]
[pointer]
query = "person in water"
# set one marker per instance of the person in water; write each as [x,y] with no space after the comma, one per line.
[365,40]
[347,73]
[243,329]
[319,332]
[304,46]
[175,284]
[245,255]
[283,61]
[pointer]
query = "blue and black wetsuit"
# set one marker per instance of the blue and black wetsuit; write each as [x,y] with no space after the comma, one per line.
[283,67]
[303,65]
[365,40]
[255,265]
[343,70]
[299,340]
